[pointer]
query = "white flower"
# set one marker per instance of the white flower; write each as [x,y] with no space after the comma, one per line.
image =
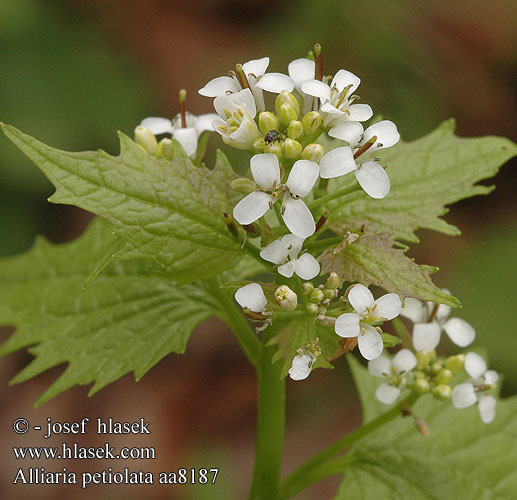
[266,173]
[284,253]
[301,71]
[337,98]
[367,309]
[188,137]
[394,370]
[426,335]
[237,126]
[258,80]
[302,365]
[371,176]
[251,297]
[467,394]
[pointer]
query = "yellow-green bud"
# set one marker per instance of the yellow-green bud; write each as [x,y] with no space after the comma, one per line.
[322,310]
[312,308]
[307,287]
[444,376]
[329,293]
[442,392]
[455,363]
[243,185]
[286,298]
[286,97]
[268,121]
[421,386]
[295,129]
[165,149]
[419,374]
[316,296]
[332,280]
[259,144]
[286,114]
[311,122]
[146,139]
[423,359]
[292,149]
[313,152]
[436,367]
[275,148]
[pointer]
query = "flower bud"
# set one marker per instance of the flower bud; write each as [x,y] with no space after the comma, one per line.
[421,386]
[444,376]
[311,122]
[442,392]
[145,138]
[329,293]
[313,152]
[165,149]
[295,129]
[275,148]
[332,281]
[312,308]
[268,121]
[286,298]
[423,359]
[286,114]
[292,149]
[418,374]
[322,310]
[436,367]
[286,97]
[307,287]
[455,363]
[243,185]
[259,144]
[316,296]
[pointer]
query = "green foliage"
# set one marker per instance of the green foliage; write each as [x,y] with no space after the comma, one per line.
[461,457]
[372,260]
[169,213]
[126,320]
[426,175]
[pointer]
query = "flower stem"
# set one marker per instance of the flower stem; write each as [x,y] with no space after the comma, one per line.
[321,465]
[270,425]
[403,333]
[332,196]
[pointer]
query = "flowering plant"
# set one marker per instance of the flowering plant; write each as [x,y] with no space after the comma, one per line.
[320,213]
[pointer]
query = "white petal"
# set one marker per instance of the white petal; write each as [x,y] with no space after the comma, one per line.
[387,393]
[252,207]
[265,170]
[204,122]
[293,244]
[219,86]
[347,325]
[256,67]
[328,107]
[373,179]
[307,267]
[158,125]
[359,113]
[388,306]
[370,342]
[475,365]
[344,78]
[339,161]
[298,217]
[245,99]
[300,367]
[443,311]
[316,89]
[246,134]
[415,310]
[275,82]
[223,105]
[404,361]
[486,407]
[275,252]
[386,132]
[463,395]
[360,298]
[301,70]
[302,177]
[350,132]
[287,269]
[490,377]
[187,137]
[251,296]
[380,366]
[459,331]
[426,336]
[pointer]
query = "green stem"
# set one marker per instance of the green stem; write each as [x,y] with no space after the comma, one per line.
[320,466]
[324,243]
[270,425]
[332,196]
[403,333]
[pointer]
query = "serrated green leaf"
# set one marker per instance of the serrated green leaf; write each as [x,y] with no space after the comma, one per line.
[169,213]
[372,260]
[461,458]
[426,175]
[126,320]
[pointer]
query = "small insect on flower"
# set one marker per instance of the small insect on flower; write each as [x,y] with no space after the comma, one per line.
[273,136]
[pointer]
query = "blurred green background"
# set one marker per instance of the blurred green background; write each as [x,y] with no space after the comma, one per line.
[73,72]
